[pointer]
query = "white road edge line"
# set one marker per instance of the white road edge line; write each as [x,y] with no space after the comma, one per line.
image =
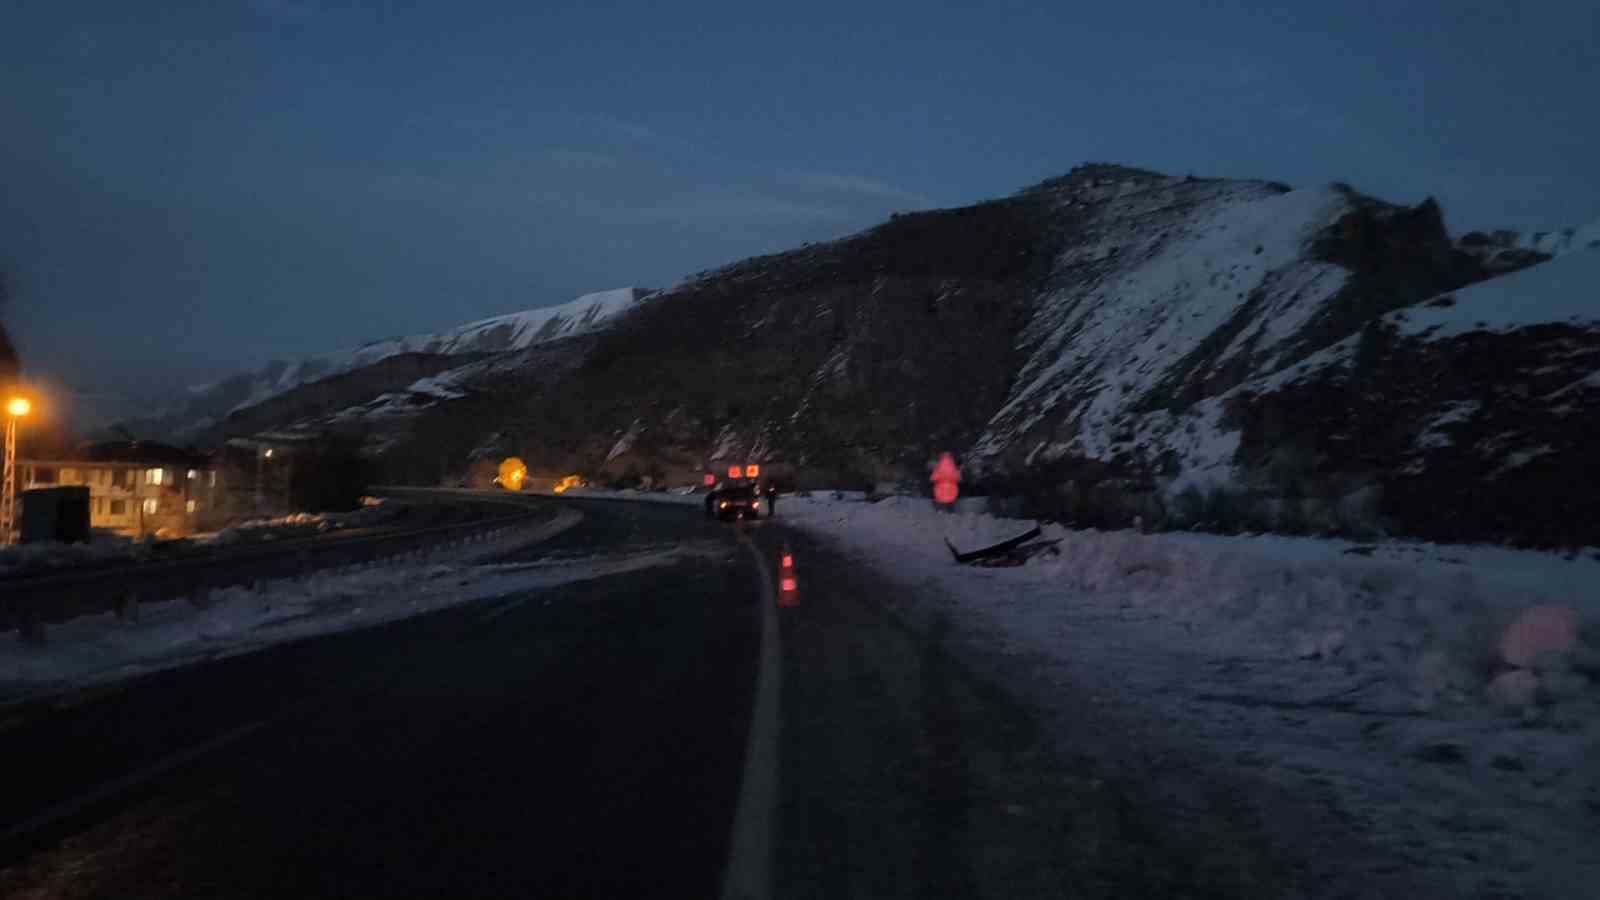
[109,789]
[748,875]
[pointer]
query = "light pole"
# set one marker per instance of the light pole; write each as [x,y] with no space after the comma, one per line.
[262,455]
[16,408]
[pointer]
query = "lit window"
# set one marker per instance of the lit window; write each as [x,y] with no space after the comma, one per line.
[153,476]
[193,474]
[190,506]
[151,504]
[69,476]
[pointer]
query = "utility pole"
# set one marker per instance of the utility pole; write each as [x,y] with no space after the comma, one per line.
[262,455]
[16,408]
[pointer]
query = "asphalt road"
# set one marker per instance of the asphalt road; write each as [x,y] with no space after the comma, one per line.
[578,741]
[588,741]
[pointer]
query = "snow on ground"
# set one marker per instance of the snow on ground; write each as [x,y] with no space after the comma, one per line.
[108,547]
[98,649]
[301,524]
[103,547]
[1360,672]
[674,497]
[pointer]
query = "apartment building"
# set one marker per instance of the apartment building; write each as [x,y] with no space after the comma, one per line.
[136,488]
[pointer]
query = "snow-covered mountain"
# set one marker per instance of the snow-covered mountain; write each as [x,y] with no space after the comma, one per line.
[515,331]
[207,406]
[1111,344]
[1506,250]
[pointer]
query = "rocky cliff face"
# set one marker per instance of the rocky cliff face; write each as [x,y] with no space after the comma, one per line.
[1107,344]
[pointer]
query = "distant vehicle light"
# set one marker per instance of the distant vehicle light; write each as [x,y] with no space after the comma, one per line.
[752,471]
[722,505]
[709,480]
[735,472]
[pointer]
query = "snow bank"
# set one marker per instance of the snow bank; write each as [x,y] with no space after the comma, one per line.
[20,558]
[671,498]
[96,649]
[300,524]
[1381,676]
[1377,609]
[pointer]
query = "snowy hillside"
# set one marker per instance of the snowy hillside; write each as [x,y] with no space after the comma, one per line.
[1166,267]
[1563,290]
[515,331]
[1169,292]
[1495,385]
[1502,250]
[206,406]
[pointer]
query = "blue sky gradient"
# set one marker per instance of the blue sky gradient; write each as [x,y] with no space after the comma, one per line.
[189,188]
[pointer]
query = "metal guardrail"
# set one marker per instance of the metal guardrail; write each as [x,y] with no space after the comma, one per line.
[29,604]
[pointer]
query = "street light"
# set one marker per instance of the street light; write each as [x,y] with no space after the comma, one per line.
[16,408]
[261,471]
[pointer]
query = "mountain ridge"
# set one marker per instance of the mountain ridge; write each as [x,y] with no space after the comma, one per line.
[1110,346]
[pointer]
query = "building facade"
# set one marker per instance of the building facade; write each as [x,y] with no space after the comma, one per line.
[137,490]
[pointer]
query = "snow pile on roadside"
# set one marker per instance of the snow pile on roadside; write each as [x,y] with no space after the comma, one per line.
[97,649]
[1428,622]
[673,497]
[298,524]
[1448,697]
[102,547]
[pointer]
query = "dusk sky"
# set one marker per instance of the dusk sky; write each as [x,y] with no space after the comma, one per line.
[191,188]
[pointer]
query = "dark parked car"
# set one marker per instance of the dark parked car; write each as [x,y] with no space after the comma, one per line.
[733,502]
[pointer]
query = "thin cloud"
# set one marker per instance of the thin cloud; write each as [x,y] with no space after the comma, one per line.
[581,158]
[295,10]
[725,206]
[855,184]
[644,135]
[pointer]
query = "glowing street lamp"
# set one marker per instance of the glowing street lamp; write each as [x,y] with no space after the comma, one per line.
[261,473]
[16,408]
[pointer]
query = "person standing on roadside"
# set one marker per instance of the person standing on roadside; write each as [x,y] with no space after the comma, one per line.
[772,499]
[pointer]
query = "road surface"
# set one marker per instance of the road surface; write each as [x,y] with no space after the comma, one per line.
[590,740]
